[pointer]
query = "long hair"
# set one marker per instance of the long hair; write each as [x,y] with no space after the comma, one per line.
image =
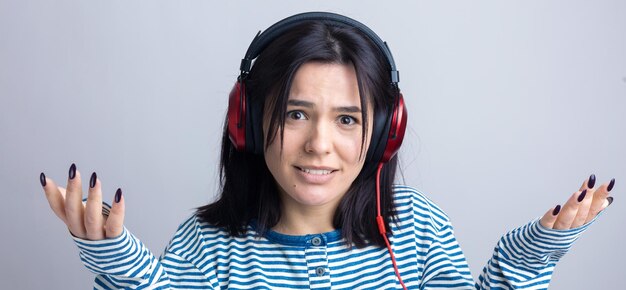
[248,190]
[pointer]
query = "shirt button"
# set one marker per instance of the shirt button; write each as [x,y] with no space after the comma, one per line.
[320,271]
[316,241]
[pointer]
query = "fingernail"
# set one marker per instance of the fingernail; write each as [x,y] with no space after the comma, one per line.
[42,179]
[92,181]
[592,181]
[611,184]
[118,195]
[582,195]
[610,199]
[72,173]
[556,210]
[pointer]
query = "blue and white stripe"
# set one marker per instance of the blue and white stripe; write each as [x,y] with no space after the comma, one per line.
[201,256]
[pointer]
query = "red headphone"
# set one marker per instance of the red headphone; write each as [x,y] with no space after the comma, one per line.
[389,126]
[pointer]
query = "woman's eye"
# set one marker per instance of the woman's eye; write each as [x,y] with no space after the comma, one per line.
[347,120]
[296,115]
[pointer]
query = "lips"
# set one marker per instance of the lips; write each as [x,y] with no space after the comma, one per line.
[316,170]
[315,175]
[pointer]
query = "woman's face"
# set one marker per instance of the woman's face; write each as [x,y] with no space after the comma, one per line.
[321,154]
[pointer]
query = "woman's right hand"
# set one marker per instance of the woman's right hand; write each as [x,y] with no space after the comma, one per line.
[84,221]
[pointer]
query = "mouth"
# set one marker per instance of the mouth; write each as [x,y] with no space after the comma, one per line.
[316,171]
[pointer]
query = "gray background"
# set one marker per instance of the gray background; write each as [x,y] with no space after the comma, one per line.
[512,104]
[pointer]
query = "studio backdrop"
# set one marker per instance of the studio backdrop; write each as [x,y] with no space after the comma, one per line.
[512,105]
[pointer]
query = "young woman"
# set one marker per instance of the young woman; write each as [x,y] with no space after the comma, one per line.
[307,200]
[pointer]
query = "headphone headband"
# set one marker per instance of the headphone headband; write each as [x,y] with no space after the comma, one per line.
[245,119]
[262,40]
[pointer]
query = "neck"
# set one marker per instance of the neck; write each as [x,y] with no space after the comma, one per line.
[305,220]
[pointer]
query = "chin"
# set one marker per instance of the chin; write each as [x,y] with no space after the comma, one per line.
[313,195]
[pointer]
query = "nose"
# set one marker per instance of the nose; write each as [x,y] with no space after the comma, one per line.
[320,139]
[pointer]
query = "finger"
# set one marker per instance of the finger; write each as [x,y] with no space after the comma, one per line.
[74,209]
[588,183]
[62,190]
[115,222]
[549,218]
[94,222]
[600,201]
[568,212]
[55,198]
[584,203]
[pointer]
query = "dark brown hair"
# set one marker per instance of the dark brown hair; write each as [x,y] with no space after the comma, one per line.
[248,190]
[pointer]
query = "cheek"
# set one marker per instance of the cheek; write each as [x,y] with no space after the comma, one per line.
[275,156]
[352,150]
[272,155]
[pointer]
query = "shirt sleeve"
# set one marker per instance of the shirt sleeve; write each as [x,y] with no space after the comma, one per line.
[125,263]
[524,258]
[122,263]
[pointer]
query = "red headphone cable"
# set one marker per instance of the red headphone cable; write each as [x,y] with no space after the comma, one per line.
[381,225]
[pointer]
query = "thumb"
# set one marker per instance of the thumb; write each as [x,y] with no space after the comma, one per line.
[115,222]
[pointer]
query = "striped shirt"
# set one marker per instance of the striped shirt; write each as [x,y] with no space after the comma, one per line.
[202,256]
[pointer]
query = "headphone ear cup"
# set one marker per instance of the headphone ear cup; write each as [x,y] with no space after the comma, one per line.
[387,134]
[396,130]
[236,117]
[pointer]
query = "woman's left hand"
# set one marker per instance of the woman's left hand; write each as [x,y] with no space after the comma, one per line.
[583,206]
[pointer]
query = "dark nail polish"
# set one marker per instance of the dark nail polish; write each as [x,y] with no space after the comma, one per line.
[556,210]
[42,179]
[92,181]
[610,199]
[611,184]
[592,181]
[582,195]
[72,173]
[118,195]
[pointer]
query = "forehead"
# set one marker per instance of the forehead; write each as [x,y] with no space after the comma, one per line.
[326,83]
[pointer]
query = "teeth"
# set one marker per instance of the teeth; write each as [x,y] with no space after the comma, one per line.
[316,171]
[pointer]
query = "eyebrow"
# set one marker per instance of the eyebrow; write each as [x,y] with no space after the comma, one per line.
[306,104]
